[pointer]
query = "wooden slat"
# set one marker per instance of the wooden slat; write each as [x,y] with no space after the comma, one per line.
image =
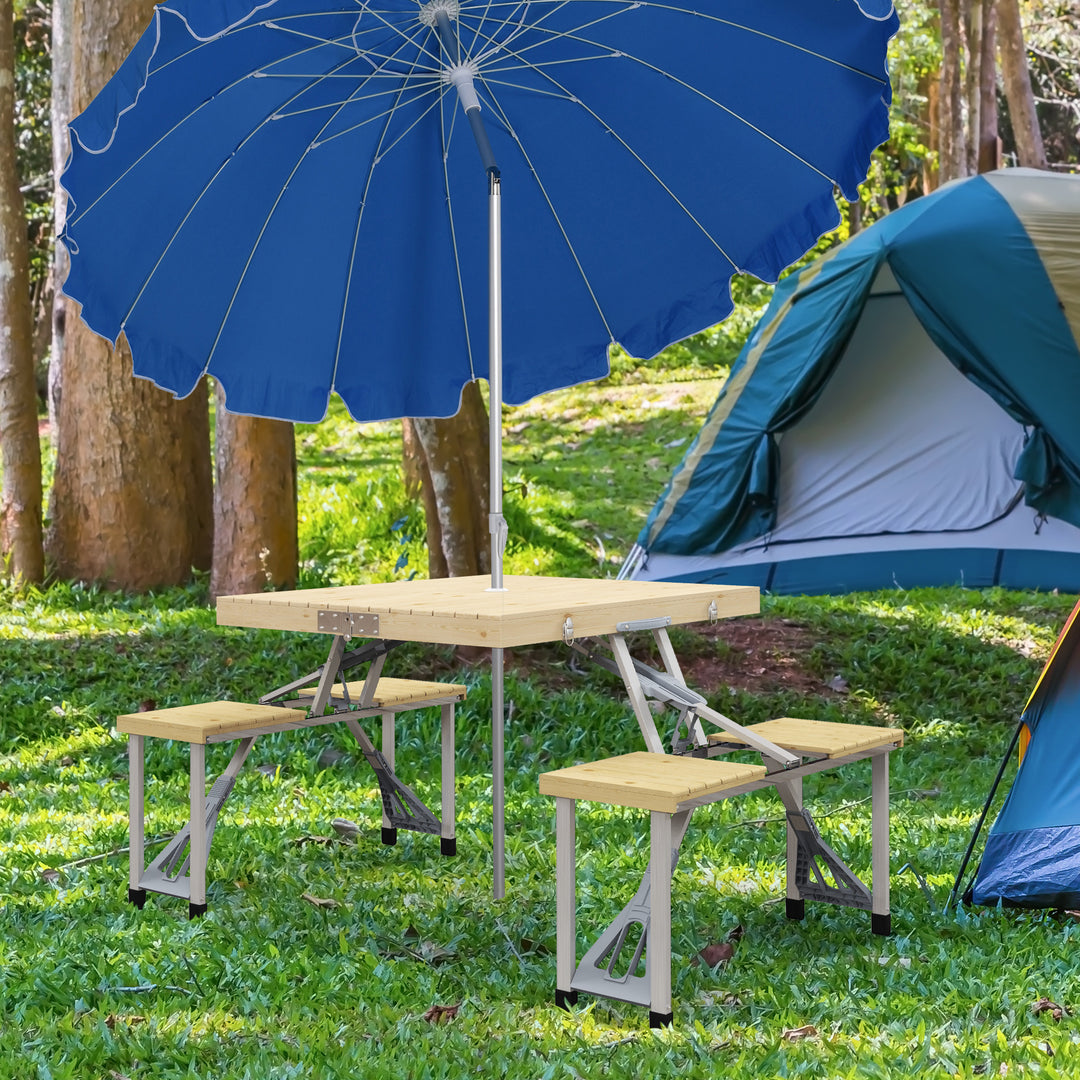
[647,781]
[195,723]
[464,611]
[397,691]
[819,736]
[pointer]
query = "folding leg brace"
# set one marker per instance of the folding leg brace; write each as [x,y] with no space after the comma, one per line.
[402,807]
[639,937]
[180,869]
[816,872]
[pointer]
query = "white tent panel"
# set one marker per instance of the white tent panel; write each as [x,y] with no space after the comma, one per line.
[896,421]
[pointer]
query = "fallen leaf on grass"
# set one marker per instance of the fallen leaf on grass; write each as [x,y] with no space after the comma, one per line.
[1044,1004]
[807,1031]
[716,953]
[440,1014]
[66,760]
[300,841]
[319,901]
[346,829]
[112,1020]
[4,785]
[114,1075]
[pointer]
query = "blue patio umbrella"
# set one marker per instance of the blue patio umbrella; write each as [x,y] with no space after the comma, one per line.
[286,194]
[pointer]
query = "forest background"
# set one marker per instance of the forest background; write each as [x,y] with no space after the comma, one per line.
[142,490]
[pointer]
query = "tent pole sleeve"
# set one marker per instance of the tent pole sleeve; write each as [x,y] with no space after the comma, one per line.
[982,816]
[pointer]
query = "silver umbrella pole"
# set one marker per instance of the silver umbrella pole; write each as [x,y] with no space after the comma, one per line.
[461,76]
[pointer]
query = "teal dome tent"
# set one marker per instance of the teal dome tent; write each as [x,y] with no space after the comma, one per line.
[904,412]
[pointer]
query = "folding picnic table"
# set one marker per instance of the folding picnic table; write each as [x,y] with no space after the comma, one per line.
[590,615]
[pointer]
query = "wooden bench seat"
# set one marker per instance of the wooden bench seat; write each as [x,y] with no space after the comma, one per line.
[393,692]
[821,738]
[647,781]
[180,869]
[671,787]
[209,721]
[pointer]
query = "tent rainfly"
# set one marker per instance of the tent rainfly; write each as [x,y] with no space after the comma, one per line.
[904,413]
[1032,855]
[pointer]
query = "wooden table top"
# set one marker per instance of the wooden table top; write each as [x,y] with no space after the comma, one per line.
[465,611]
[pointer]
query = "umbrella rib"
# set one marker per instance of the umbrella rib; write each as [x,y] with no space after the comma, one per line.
[551,207]
[265,24]
[375,159]
[627,7]
[445,138]
[629,149]
[191,209]
[74,220]
[262,231]
[389,112]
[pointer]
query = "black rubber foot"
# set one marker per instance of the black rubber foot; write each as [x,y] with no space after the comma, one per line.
[796,909]
[881,924]
[659,1020]
[389,836]
[196,911]
[448,845]
[137,897]
[565,998]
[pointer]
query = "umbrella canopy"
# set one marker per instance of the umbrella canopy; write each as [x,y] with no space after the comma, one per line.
[286,195]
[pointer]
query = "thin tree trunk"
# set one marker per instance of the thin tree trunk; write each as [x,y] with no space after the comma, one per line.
[132,499]
[61,112]
[951,125]
[989,156]
[255,541]
[1017,80]
[973,58]
[20,452]
[455,487]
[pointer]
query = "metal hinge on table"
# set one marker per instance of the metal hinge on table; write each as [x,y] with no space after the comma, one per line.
[349,623]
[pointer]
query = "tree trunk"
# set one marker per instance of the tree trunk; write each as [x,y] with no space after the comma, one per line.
[1017,79]
[973,58]
[132,501]
[60,112]
[21,550]
[953,153]
[255,541]
[989,156]
[455,487]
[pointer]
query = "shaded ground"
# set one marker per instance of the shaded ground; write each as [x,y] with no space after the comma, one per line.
[762,655]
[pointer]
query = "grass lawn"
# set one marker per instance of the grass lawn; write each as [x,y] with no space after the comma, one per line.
[320,957]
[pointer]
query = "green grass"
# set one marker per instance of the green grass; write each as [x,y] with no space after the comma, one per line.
[268,985]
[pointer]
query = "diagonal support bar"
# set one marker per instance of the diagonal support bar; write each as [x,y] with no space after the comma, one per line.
[170,872]
[401,805]
[816,863]
[609,967]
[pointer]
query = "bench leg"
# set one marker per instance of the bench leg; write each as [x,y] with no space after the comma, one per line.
[197,850]
[389,833]
[448,840]
[136,818]
[659,940]
[565,902]
[880,919]
[795,904]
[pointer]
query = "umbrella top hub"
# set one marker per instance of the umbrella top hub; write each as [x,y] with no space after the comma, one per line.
[430,11]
